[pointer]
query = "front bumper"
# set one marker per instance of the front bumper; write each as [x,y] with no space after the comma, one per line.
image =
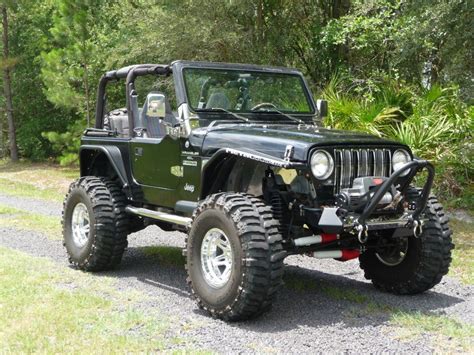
[333,220]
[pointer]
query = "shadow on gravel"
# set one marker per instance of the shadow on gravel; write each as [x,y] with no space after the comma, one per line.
[309,298]
[149,267]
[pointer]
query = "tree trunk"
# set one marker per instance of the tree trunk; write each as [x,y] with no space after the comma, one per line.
[86,88]
[2,145]
[259,22]
[8,90]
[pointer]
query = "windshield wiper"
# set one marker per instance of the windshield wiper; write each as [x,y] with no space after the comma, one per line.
[220,109]
[274,110]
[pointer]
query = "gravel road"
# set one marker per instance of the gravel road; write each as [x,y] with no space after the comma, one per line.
[314,319]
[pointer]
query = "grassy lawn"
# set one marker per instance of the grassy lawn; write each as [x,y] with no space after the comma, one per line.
[49,309]
[23,220]
[43,181]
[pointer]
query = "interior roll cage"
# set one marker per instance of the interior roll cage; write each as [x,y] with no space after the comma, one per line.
[129,73]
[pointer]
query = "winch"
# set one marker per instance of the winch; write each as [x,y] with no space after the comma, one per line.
[355,198]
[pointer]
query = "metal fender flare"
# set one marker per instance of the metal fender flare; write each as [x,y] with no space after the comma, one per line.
[113,154]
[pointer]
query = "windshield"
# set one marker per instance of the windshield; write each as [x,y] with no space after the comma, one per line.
[244,91]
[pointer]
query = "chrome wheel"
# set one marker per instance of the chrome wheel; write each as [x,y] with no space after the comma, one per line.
[216,258]
[395,255]
[80,225]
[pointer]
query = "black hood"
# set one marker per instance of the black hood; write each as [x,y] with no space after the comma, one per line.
[273,139]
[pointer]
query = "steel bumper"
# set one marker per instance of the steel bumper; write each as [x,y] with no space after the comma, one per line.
[331,222]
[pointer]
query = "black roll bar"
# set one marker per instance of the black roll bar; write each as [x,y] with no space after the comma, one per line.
[129,73]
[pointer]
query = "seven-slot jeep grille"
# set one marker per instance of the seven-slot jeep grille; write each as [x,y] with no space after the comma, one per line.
[355,162]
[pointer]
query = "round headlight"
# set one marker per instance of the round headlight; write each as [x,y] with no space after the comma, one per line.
[399,159]
[322,164]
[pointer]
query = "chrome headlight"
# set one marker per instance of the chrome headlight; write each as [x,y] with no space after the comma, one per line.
[322,164]
[400,158]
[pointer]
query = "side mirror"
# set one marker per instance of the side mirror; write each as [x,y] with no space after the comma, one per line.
[322,106]
[156,106]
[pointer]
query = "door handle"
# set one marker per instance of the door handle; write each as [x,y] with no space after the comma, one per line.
[138,151]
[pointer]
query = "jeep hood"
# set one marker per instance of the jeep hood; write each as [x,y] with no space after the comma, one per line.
[272,140]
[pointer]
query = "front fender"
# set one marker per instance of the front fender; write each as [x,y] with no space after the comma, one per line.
[260,157]
[218,167]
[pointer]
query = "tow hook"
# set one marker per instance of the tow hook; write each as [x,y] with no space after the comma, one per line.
[362,233]
[417,228]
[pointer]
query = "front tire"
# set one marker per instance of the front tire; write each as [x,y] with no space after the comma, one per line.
[234,256]
[420,262]
[95,224]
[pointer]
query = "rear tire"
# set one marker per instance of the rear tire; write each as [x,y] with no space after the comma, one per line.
[95,224]
[425,262]
[250,248]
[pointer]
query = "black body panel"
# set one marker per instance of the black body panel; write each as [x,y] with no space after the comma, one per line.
[273,139]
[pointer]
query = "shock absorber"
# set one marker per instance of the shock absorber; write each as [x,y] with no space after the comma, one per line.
[272,195]
[279,212]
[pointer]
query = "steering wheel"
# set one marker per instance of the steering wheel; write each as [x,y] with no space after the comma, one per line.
[261,105]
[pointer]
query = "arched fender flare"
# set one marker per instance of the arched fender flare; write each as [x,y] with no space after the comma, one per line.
[113,154]
[223,153]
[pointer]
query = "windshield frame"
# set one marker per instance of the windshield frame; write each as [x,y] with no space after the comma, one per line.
[181,66]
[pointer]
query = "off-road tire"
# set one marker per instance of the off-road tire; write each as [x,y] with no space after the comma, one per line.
[258,256]
[107,240]
[427,259]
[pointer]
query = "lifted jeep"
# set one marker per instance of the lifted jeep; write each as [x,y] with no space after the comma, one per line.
[235,157]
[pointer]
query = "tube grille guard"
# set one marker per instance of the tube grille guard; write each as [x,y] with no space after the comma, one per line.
[415,166]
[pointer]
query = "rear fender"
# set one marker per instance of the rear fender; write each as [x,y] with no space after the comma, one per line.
[103,161]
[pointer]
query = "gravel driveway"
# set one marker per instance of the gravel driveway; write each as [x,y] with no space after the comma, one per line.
[313,316]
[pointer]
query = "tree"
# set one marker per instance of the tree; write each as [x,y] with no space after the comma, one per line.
[71,65]
[29,35]
[7,65]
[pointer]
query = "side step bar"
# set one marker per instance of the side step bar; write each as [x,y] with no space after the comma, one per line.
[160,216]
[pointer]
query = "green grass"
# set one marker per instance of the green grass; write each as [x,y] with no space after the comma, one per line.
[462,266]
[15,188]
[338,293]
[23,220]
[40,313]
[43,181]
[299,283]
[165,255]
[449,333]
[447,329]
[306,283]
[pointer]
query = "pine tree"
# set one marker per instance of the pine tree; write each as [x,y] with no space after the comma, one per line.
[70,65]
[7,65]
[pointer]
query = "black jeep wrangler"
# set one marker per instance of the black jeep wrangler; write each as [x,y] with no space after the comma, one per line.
[235,156]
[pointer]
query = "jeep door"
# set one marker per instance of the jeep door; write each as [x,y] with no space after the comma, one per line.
[155,154]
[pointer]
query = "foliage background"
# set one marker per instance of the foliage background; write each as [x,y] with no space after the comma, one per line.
[401,69]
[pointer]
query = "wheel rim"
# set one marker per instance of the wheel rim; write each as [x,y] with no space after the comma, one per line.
[216,258]
[80,225]
[393,256]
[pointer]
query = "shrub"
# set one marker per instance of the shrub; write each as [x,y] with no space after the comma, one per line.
[435,123]
[66,145]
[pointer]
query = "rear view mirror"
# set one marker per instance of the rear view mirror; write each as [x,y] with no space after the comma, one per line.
[322,106]
[156,106]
